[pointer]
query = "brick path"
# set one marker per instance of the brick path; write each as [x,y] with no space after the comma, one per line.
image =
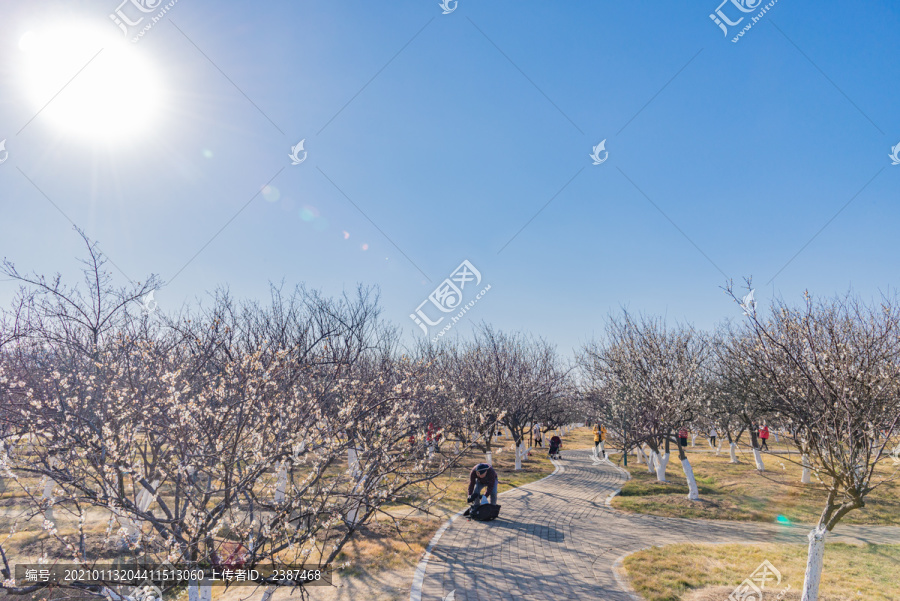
[557,539]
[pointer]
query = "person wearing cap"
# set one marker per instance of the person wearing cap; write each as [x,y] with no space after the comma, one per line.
[483,477]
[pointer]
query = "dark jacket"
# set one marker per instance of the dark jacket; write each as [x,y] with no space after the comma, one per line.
[490,478]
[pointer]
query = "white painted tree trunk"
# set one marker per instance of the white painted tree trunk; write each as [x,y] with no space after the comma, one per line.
[651,458]
[775,433]
[660,462]
[602,451]
[520,454]
[814,560]
[2,462]
[353,463]
[757,458]
[639,454]
[733,452]
[693,439]
[804,478]
[205,590]
[281,483]
[48,482]
[719,448]
[133,527]
[490,459]
[267,594]
[199,591]
[665,462]
[353,514]
[693,491]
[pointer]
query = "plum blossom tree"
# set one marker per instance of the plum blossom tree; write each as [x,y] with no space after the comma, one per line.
[658,375]
[215,435]
[832,368]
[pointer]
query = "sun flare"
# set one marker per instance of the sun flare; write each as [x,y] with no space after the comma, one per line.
[89,82]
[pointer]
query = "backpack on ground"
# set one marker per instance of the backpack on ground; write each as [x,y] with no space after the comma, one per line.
[484,513]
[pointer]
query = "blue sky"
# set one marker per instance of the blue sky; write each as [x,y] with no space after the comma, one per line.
[450,132]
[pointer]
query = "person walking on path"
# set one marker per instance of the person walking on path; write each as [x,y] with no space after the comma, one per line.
[683,435]
[599,439]
[712,436]
[764,437]
[599,434]
[537,435]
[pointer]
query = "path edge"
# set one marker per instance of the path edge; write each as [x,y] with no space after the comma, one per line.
[415,593]
[621,576]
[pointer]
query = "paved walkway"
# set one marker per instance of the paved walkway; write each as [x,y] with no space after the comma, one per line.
[557,538]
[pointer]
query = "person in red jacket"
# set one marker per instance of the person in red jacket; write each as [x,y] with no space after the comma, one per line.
[764,437]
[483,477]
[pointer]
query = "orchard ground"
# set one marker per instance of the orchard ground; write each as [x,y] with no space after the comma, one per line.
[709,572]
[382,560]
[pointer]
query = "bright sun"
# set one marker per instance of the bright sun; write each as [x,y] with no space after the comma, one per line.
[116,95]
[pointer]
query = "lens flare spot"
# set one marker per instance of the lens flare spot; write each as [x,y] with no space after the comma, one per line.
[271,193]
[207,153]
[308,213]
[365,247]
[783,520]
[346,235]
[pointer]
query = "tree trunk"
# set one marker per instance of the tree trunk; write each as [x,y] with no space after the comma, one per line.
[757,457]
[199,591]
[693,439]
[651,458]
[804,479]
[733,451]
[640,454]
[814,560]
[267,594]
[353,463]
[693,491]
[490,459]
[602,451]
[660,462]
[520,453]
[281,483]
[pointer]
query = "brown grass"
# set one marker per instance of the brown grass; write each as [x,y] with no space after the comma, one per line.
[739,492]
[381,560]
[688,572]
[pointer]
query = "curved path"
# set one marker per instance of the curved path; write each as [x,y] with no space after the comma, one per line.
[557,538]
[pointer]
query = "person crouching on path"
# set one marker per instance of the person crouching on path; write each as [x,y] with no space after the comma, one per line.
[483,477]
